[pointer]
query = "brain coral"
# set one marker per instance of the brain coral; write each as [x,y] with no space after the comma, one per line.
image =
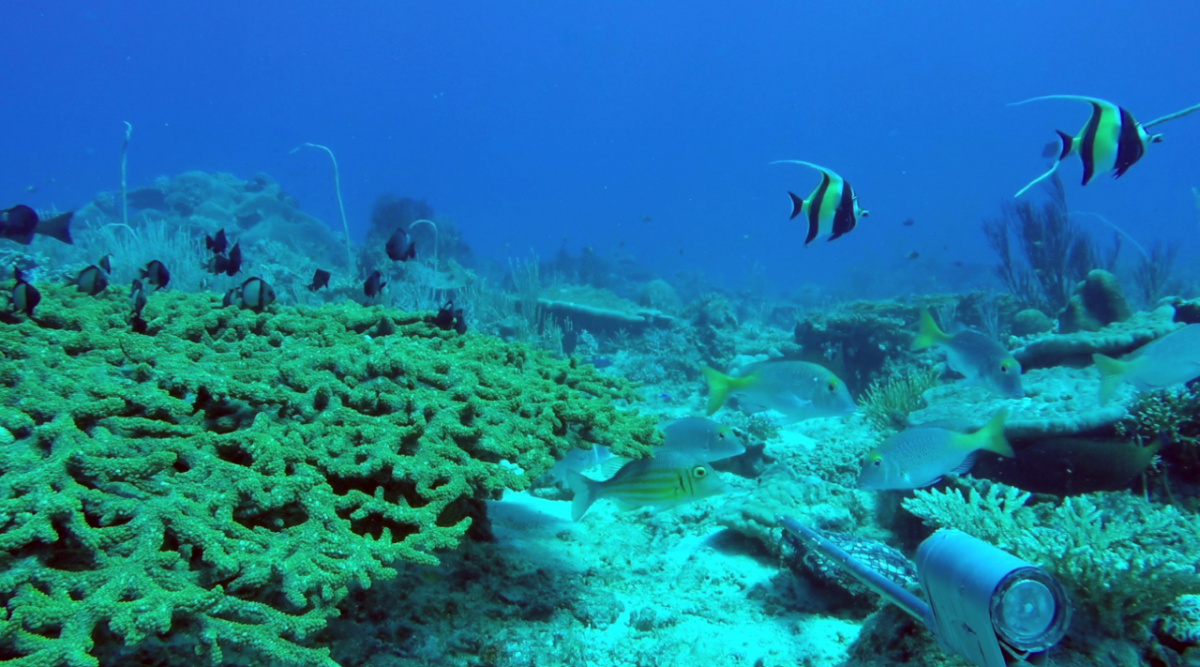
[215,489]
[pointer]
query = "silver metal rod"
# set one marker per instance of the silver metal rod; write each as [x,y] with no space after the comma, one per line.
[888,589]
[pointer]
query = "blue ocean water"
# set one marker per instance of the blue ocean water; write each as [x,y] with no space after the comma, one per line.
[532,122]
[642,134]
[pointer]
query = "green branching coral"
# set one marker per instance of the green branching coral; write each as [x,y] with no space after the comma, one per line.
[1123,560]
[214,490]
[1173,413]
[887,403]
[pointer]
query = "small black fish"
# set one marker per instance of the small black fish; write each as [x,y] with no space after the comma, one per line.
[20,223]
[105,263]
[230,295]
[233,264]
[156,274]
[914,255]
[909,222]
[255,294]
[25,297]
[400,247]
[374,285]
[137,297]
[448,317]
[137,324]
[216,264]
[320,279]
[218,243]
[92,280]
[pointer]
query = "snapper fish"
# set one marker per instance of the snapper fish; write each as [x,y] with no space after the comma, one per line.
[665,480]
[798,389]
[702,438]
[1168,361]
[918,457]
[831,209]
[982,360]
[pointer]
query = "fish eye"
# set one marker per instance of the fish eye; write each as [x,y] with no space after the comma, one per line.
[833,385]
[699,471]
[1003,366]
[877,462]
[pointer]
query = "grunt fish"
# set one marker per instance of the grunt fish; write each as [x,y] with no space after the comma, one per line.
[665,480]
[702,438]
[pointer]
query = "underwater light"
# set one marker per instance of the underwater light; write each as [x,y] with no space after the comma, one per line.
[984,604]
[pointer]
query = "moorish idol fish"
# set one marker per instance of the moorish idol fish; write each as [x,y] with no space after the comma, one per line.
[831,209]
[1111,139]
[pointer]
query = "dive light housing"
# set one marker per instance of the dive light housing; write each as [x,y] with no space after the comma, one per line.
[981,602]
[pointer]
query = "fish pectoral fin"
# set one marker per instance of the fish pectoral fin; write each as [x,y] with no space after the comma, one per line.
[966,465]
[625,505]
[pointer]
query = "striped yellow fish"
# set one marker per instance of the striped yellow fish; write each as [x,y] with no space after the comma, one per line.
[668,479]
[831,209]
[1111,139]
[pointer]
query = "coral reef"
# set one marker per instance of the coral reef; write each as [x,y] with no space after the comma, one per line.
[1059,401]
[872,339]
[887,404]
[1031,321]
[1114,340]
[658,294]
[216,488]
[598,310]
[1096,303]
[1122,559]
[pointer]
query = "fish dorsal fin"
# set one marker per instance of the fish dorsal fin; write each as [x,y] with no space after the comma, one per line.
[610,467]
[1095,101]
[828,172]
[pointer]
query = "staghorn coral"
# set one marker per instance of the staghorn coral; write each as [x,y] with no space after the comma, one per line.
[214,491]
[1173,412]
[1123,560]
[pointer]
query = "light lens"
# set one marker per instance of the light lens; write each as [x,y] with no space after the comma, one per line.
[1029,610]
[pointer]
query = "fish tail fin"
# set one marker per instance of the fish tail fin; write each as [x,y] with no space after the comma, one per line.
[720,386]
[991,436]
[58,227]
[1068,144]
[797,204]
[928,333]
[585,492]
[1112,373]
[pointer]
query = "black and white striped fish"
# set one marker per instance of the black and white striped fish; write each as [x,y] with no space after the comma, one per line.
[831,209]
[1111,139]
